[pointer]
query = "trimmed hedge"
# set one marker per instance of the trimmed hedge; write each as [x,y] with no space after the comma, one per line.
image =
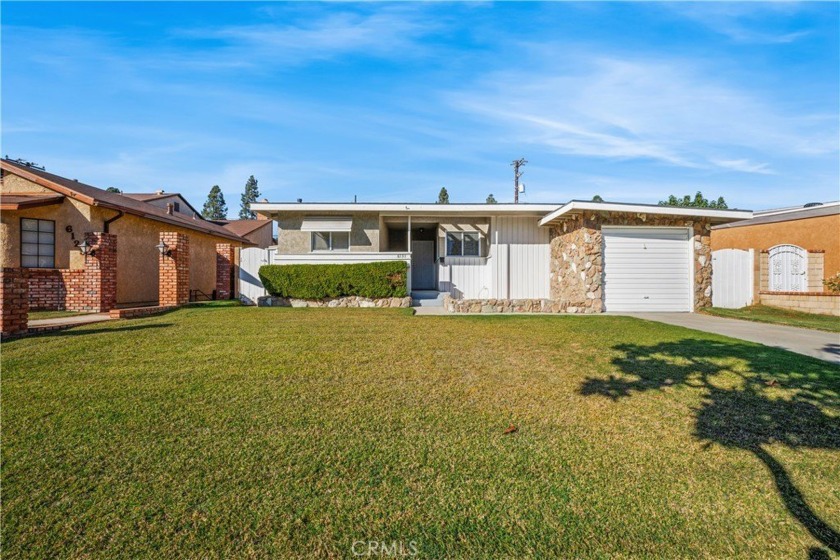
[319,281]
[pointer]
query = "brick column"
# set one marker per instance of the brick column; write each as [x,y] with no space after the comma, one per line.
[174,270]
[14,301]
[224,270]
[94,287]
[816,270]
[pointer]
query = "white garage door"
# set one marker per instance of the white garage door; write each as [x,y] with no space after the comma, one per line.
[647,269]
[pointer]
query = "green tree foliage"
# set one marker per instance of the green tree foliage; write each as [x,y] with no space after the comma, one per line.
[597,198]
[250,195]
[443,196]
[215,207]
[699,201]
[491,199]
[113,190]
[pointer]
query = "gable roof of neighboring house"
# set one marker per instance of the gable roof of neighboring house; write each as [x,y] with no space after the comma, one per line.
[94,196]
[146,197]
[787,215]
[242,227]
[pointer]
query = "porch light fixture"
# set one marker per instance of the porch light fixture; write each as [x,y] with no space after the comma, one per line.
[86,248]
[164,249]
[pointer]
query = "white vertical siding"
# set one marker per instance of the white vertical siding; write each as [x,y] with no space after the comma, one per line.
[519,258]
[732,278]
[465,277]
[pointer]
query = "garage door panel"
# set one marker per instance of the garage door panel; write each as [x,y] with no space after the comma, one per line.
[647,269]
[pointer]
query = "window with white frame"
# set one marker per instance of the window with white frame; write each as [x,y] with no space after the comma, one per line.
[463,244]
[330,240]
[37,243]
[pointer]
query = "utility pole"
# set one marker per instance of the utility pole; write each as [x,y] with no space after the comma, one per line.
[517,163]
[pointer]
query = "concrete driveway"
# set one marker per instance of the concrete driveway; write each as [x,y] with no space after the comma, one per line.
[817,344]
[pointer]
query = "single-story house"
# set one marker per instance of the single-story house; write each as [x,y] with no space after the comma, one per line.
[798,247]
[45,218]
[575,257]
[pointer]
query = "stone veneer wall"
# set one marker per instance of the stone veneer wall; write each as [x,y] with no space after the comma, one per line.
[577,264]
[453,305]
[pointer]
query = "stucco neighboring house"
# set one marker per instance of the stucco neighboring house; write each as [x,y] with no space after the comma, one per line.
[258,232]
[574,257]
[46,217]
[163,199]
[798,246]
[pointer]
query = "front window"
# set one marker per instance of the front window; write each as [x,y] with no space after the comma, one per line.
[463,244]
[37,243]
[330,241]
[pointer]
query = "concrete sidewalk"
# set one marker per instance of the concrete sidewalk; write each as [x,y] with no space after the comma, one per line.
[817,344]
[66,322]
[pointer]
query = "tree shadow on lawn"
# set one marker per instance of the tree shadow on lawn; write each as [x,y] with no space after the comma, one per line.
[777,398]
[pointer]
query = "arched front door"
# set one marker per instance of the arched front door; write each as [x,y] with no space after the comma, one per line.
[788,269]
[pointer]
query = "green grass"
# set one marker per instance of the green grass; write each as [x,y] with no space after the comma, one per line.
[38,315]
[767,314]
[222,432]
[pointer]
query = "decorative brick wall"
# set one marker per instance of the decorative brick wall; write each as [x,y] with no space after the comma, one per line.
[47,290]
[14,301]
[92,288]
[174,286]
[224,270]
[577,265]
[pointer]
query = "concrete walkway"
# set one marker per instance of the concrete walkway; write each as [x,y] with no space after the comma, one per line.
[817,344]
[66,322]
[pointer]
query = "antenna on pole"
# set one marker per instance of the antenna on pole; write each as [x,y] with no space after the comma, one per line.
[517,163]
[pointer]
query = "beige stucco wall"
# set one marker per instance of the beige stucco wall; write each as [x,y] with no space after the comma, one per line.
[77,215]
[262,237]
[137,257]
[810,234]
[364,233]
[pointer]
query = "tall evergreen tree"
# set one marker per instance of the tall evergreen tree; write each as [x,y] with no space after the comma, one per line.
[443,196]
[597,198]
[491,199]
[250,195]
[215,207]
[114,190]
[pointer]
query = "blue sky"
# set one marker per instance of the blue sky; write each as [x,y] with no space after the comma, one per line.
[390,102]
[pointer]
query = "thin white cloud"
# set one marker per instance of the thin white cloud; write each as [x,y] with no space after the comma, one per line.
[744,165]
[670,111]
[735,20]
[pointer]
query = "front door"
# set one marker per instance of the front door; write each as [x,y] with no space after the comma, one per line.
[423,265]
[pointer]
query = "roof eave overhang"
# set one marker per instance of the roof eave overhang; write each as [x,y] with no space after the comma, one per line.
[571,209]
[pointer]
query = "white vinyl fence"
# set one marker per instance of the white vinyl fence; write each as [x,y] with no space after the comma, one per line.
[732,278]
[250,261]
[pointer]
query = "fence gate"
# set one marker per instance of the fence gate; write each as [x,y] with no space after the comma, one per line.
[732,278]
[788,268]
[250,261]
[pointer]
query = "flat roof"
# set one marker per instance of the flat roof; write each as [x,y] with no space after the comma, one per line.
[773,217]
[578,206]
[403,208]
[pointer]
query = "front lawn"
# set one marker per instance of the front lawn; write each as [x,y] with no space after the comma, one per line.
[241,432]
[767,314]
[38,315]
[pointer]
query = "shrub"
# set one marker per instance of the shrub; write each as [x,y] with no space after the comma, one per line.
[832,284]
[319,281]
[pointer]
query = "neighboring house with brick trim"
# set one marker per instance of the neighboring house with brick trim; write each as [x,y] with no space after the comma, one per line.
[46,217]
[814,228]
[579,257]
